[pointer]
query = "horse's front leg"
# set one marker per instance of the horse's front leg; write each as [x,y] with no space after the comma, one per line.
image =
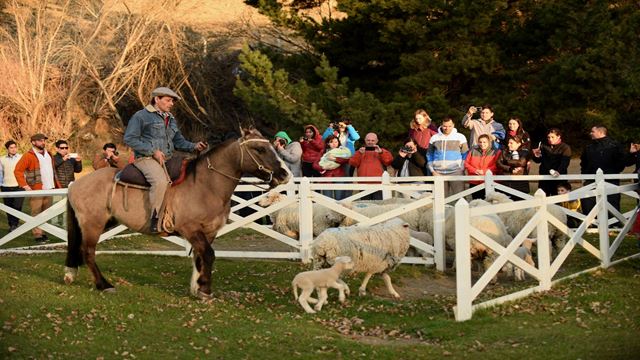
[203,258]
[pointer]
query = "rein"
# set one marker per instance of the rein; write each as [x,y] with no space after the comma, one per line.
[260,166]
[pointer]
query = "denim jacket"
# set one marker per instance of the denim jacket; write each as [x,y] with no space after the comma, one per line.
[146,133]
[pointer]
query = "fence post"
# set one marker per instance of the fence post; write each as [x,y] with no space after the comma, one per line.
[489,183]
[603,219]
[386,180]
[544,244]
[463,262]
[291,189]
[438,224]
[305,216]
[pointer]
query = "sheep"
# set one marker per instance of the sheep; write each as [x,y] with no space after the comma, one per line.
[516,220]
[374,249]
[524,253]
[423,237]
[286,220]
[320,280]
[371,209]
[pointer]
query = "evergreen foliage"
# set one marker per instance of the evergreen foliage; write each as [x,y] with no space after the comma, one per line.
[567,64]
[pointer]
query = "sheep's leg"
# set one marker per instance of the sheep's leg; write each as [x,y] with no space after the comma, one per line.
[362,291]
[303,300]
[322,298]
[387,281]
[344,290]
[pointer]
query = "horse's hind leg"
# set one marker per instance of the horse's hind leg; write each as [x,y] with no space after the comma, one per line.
[203,258]
[90,241]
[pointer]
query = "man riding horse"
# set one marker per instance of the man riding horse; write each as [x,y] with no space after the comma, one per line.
[153,135]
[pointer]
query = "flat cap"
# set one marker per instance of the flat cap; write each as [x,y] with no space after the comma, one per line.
[38,137]
[165,91]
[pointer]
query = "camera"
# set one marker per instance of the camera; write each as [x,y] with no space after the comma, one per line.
[73,155]
[282,142]
[116,153]
[407,149]
[369,148]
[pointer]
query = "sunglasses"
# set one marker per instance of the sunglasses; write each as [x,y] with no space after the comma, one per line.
[63,147]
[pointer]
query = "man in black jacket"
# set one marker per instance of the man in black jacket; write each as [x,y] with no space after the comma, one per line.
[602,153]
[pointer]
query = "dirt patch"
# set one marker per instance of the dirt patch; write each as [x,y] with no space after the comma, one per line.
[419,286]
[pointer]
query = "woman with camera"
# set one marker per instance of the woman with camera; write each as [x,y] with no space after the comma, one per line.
[480,159]
[410,161]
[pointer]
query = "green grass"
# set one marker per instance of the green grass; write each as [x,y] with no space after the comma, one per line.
[253,315]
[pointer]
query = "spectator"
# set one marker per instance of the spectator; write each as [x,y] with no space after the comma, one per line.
[34,171]
[602,153]
[289,151]
[153,135]
[347,135]
[312,147]
[484,125]
[634,152]
[9,182]
[371,160]
[445,156]
[481,158]
[410,161]
[420,130]
[574,205]
[554,158]
[109,157]
[514,127]
[332,164]
[67,164]
[513,161]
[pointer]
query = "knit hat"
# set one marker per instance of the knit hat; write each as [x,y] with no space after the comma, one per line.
[283,135]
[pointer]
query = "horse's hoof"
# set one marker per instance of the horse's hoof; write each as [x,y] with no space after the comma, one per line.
[204,296]
[70,274]
[111,290]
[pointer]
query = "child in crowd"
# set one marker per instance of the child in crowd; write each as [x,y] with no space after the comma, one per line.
[573,205]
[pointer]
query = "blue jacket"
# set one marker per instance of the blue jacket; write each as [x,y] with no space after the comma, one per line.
[352,137]
[147,133]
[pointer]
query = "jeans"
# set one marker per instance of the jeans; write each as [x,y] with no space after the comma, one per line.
[14,203]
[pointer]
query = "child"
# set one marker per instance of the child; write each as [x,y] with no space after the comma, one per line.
[564,188]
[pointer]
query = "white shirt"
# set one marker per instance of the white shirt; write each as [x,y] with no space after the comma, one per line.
[46,170]
[7,165]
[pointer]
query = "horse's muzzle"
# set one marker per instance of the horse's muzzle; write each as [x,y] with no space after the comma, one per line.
[280,176]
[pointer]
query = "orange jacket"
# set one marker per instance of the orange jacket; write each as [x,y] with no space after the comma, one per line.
[27,171]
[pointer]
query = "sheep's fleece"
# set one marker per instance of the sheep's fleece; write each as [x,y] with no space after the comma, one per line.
[373,249]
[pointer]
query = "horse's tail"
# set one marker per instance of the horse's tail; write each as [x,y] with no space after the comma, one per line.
[74,239]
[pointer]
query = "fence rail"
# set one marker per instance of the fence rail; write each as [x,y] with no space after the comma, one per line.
[424,191]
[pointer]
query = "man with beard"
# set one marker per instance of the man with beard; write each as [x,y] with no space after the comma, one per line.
[35,171]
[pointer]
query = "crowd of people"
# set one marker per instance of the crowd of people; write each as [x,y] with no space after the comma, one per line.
[428,150]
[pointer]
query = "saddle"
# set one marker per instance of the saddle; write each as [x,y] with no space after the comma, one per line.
[176,168]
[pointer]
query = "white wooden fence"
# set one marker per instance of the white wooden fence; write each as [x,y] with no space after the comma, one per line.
[424,191]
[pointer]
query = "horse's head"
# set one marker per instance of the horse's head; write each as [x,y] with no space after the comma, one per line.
[259,158]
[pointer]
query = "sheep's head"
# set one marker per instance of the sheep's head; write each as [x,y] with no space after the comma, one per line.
[497,198]
[528,243]
[272,197]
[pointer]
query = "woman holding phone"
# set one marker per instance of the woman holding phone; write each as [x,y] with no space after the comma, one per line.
[554,158]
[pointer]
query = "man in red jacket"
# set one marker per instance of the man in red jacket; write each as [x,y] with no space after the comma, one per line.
[35,171]
[371,160]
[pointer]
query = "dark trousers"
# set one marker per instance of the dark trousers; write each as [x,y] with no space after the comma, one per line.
[589,203]
[478,194]
[14,203]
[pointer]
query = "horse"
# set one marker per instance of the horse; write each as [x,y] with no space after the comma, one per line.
[200,205]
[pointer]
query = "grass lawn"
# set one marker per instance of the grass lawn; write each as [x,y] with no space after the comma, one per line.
[253,315]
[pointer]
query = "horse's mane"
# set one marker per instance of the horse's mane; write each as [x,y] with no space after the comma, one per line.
[192,165]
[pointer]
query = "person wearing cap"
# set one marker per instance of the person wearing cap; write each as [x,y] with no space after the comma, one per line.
[289,151]
[35,171]
[153,135]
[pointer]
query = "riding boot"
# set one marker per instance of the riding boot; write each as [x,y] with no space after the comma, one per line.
[154,223]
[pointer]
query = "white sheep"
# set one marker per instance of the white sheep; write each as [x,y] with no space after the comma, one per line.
[372,209]
[374,249]
[321,280]
[287,220]
[516,220]
[423,237]
[524,253]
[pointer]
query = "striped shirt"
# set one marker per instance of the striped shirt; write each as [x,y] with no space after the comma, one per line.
[446,153]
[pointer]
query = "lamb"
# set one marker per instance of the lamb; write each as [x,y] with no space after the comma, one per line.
[374,249]
[286,220]
[320,280]
[516,220]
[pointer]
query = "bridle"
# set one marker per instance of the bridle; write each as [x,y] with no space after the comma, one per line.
[241,145]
